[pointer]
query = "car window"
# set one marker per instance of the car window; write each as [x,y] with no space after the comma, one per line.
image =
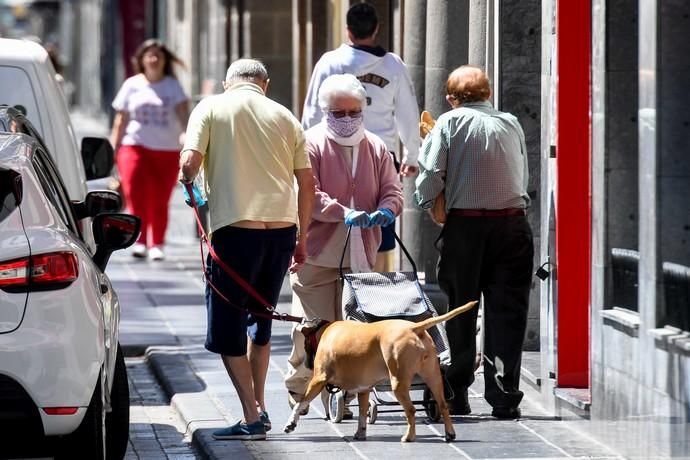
[10,181]
[16,90]
[54,189]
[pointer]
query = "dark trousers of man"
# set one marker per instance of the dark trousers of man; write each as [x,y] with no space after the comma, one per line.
[489,255]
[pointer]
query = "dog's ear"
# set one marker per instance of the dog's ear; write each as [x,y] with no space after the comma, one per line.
[309,330]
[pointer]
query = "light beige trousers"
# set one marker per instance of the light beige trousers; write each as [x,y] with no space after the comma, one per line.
[316,293]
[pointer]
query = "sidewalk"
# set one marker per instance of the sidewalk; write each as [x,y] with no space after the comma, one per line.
[164,318]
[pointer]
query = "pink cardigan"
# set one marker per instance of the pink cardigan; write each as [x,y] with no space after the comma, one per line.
[377,186]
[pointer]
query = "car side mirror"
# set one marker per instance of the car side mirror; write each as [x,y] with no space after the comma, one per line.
[98,202]
[112,232]
[98,157]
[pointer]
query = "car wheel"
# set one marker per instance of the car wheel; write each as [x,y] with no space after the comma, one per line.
[88,441]
[117,420]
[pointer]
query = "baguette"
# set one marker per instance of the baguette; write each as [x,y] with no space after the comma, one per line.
[426,124]
[438,210]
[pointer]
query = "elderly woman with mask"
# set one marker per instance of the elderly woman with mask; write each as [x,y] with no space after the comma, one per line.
[357,186]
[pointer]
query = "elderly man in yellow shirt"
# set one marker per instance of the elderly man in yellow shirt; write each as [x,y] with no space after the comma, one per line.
[252,149]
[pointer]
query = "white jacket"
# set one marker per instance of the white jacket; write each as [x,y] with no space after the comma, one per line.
[391,109]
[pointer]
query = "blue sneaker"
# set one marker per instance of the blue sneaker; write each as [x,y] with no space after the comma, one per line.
[243,431]
[263,416]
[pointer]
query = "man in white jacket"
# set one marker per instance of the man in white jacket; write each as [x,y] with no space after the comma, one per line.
[391,109]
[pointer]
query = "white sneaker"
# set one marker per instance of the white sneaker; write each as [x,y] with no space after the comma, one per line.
[156,253]
[139,251]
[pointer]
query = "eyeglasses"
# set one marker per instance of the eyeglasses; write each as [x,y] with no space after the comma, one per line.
[344,113]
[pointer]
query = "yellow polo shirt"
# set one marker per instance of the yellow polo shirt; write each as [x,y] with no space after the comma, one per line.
[251,146]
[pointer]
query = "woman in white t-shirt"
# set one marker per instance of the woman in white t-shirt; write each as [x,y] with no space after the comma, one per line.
[151,114]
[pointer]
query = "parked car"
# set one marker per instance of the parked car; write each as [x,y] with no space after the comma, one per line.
[28,83]
[62,371]
[96,152]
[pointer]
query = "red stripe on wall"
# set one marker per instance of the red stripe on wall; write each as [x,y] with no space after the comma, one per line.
[573,191]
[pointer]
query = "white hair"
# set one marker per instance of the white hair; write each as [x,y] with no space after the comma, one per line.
[340,85]
[246,70]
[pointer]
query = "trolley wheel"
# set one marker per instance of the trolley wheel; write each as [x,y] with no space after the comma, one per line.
[373,412]
[430,406]
[336,406]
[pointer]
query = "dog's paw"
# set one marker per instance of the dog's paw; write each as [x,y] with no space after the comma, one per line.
[290,427]
[450,437]
[407,438]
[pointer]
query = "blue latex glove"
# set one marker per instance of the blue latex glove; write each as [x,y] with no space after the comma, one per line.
[357,218]
[383,216]
[198,197]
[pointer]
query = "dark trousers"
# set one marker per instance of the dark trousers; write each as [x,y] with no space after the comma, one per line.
[490,256]
[259,257]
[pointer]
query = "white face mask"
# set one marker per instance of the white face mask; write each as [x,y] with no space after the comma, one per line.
[344,126]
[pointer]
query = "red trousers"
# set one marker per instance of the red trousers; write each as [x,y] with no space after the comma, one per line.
[148,178]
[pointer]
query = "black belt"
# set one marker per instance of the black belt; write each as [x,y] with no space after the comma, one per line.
[488,212]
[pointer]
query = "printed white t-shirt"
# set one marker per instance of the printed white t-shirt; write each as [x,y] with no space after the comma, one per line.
[153,122]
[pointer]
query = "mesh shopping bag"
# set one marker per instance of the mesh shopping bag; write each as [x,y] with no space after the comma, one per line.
[371,297]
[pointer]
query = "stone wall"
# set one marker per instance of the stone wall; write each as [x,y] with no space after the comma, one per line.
[268,36]
[520,94]
[619,418]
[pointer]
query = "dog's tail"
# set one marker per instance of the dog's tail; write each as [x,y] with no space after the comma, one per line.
[426,324]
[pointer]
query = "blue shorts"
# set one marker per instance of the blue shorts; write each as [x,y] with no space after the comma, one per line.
[261,258]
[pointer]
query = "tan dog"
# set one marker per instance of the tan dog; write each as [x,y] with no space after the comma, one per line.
[355,356]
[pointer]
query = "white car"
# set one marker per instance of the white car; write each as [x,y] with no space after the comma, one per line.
[62,372]
[28,82]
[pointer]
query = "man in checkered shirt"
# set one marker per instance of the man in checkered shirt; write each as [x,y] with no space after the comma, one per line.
[476,156]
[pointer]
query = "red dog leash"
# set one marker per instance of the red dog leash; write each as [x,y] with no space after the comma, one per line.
[272,314]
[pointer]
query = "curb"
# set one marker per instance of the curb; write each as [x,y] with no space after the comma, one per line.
[133,351]
[188,396]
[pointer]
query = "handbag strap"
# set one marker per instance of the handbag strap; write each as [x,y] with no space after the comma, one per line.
[397,238]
